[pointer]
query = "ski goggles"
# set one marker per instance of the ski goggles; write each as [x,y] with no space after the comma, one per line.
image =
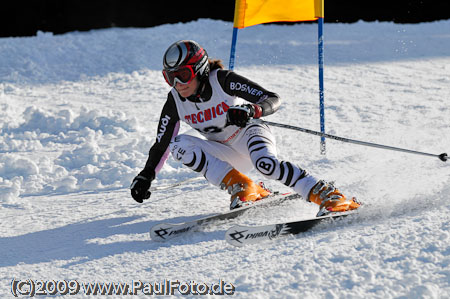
[183,75]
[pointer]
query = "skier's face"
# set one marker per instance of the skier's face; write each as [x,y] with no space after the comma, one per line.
[186,90]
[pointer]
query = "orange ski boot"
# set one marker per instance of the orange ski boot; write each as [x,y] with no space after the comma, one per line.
[242,189]
[331,199]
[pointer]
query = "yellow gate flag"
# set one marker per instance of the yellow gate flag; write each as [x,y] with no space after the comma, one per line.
[253,12]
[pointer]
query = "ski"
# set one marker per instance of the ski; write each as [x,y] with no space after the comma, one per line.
[242,235]
[165,231]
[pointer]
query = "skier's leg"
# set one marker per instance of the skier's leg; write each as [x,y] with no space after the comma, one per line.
[196,154]
[261,147]
[260,144]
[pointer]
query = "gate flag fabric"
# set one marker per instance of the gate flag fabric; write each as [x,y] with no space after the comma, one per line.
[253,12]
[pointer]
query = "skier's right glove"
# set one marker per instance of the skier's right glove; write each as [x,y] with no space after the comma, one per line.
[240,115]
[140,188]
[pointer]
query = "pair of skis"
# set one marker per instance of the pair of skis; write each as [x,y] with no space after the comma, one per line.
[242,235]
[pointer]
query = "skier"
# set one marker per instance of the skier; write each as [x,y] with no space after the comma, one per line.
[221,104]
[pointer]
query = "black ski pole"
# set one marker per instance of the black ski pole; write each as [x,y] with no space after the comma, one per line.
[442,157]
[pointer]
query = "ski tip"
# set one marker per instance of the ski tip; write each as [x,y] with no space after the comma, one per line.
[157,233]
[166,231]
[235,234]
[243,235]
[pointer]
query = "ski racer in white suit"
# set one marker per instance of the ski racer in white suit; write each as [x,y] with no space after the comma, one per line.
[219,104]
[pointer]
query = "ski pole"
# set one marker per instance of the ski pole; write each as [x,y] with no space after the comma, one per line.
[442,157]
[170,186]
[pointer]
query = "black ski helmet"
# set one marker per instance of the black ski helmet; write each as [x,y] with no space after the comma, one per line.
[187,52]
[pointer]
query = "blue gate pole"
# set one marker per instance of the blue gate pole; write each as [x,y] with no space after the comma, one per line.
[321,89]
[233,47]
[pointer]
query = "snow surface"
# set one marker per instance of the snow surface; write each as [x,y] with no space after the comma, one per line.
[79,113]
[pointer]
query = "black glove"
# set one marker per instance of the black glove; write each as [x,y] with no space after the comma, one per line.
[241,115]
[140,188]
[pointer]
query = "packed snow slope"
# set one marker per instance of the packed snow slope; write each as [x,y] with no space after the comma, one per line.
[79,114]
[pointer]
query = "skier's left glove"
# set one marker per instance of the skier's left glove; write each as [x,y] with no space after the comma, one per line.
[240,115]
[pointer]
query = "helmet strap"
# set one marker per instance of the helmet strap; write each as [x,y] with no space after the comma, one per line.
[197,96]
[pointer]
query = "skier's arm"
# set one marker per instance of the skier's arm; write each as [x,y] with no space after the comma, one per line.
[167,128]
[236,85]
